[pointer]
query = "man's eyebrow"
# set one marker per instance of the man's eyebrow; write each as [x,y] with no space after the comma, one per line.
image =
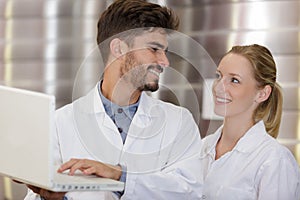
[158,45]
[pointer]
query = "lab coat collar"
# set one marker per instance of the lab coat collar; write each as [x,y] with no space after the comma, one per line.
[93,98]
[146,115]
[211,142]
[148,111]
[249,142]
[253,138]
[90,103]
[148,104]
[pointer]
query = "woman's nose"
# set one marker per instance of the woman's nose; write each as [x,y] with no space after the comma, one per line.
[219,85]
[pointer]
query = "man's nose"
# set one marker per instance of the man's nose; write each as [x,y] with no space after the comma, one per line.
[163,59]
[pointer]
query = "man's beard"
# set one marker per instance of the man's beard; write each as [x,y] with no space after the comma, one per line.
[136,73]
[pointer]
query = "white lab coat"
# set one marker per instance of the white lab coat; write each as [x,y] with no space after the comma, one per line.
[258,168]
[161,151]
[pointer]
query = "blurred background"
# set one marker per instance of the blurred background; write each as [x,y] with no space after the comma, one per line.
[44,42]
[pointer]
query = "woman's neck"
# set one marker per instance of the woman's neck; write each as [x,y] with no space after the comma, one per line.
[233,130]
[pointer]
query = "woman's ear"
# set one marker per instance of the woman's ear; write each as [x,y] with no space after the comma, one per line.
[263,94]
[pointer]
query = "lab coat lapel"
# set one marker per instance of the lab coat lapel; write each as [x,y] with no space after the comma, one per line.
[96,130]
[142,149]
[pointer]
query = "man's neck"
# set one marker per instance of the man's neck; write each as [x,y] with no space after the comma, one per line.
[119,93]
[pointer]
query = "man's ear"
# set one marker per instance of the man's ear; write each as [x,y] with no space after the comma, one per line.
[118,47]
[263,94]
[115,47]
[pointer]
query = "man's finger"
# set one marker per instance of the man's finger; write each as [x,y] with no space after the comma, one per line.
[67,165]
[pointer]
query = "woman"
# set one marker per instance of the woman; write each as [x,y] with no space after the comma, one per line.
[242,159]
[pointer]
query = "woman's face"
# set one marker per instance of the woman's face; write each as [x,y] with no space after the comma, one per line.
[235,89]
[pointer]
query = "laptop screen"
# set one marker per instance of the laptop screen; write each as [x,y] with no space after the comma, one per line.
[26,121]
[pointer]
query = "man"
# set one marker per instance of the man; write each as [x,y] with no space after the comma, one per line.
[117,131]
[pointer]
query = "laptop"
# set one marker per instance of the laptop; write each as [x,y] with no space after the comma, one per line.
[26,128]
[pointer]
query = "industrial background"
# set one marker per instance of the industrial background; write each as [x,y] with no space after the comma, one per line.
[44,42]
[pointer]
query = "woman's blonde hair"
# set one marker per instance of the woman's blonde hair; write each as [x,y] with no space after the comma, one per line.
[264,69]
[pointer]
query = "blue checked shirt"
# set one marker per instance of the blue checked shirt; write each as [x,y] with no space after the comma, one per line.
[122,117]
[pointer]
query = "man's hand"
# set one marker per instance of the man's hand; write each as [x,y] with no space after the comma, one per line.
[48,195]
[89,167]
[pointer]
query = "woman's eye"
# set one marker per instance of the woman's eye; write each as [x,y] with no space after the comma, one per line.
[218,75]
[234,80]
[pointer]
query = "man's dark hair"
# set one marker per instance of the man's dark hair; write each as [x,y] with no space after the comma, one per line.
[124,15]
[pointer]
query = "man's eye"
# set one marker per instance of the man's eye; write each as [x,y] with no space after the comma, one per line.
[154,49]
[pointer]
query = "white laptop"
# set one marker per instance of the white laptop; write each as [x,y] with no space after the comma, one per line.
[26,128]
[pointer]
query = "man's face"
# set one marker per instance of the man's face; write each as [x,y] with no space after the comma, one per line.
[145,61]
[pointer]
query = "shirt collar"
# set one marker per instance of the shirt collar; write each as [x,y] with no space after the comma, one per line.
[146,106]
[112,108]
[250,141]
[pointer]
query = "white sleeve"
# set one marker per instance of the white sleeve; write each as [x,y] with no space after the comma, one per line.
[180,179]
[280,179]
[91,195]
[101,195]
[31,196]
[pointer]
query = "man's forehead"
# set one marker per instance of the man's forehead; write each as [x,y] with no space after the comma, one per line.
[151,38]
